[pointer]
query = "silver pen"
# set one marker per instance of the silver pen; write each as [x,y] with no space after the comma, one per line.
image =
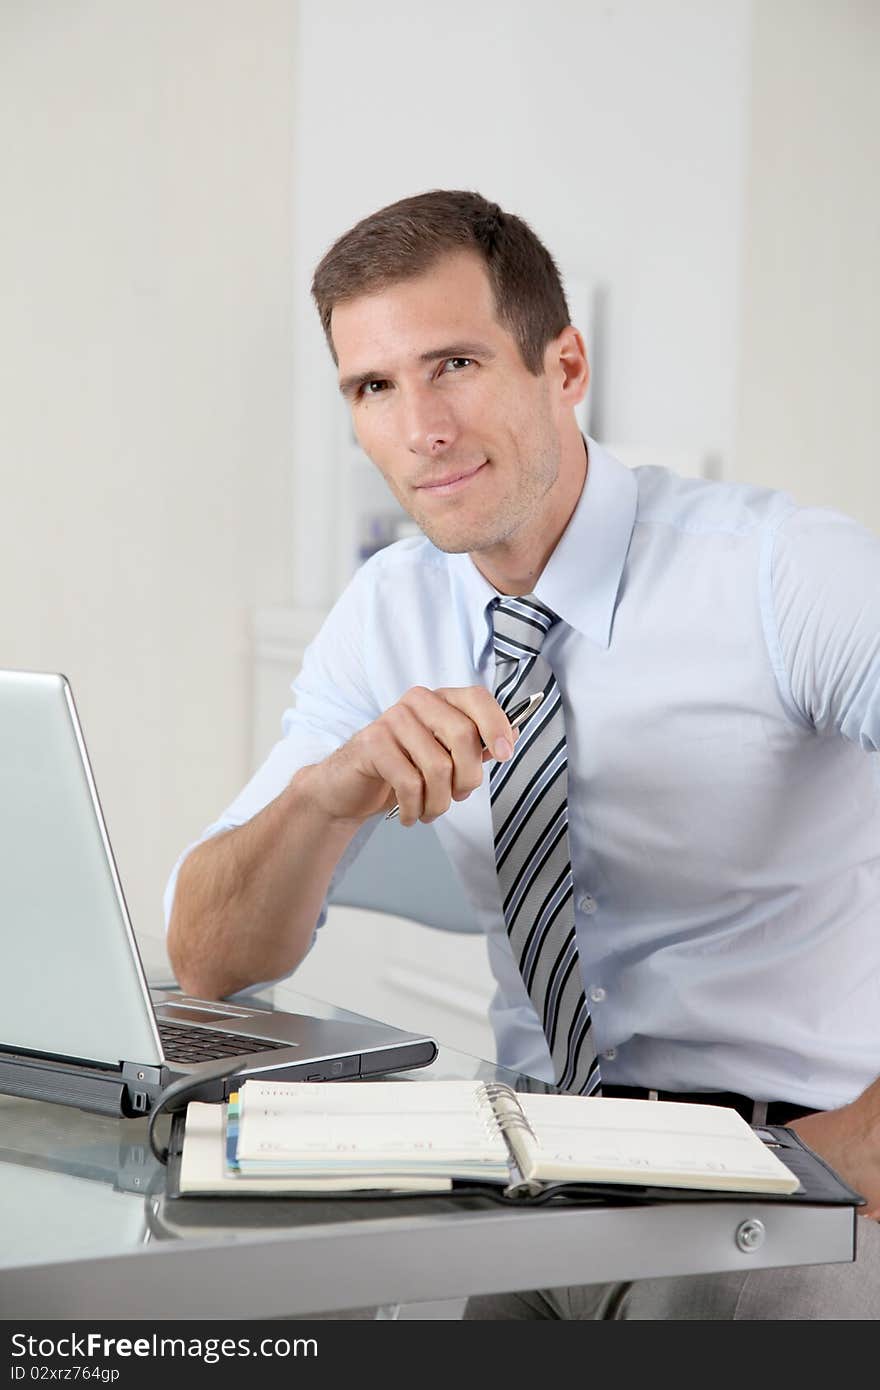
[517,717]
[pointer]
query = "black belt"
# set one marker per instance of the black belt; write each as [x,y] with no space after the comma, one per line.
[757,1112]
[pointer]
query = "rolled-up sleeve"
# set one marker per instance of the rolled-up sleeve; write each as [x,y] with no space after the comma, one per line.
[826,602]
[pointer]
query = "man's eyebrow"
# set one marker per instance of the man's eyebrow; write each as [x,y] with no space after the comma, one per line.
[350,384]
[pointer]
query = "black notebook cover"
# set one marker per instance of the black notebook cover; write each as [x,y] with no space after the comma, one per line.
[819,1184]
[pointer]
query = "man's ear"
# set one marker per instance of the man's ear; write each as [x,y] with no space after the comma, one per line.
[565,361]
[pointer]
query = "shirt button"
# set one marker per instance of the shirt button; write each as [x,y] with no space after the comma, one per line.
[609,1054]
[587,904]
[597,994]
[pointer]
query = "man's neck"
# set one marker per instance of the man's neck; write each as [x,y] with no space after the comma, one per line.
[516,565]
[512,577]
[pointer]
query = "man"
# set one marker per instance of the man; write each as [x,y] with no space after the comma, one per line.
[677,861]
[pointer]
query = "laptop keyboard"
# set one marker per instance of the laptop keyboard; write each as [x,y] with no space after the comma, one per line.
[204,1044]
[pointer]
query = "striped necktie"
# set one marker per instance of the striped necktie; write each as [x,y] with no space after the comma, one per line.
[529,796]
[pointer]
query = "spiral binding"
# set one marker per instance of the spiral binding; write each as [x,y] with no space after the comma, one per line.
[487,1112]
[495,1090]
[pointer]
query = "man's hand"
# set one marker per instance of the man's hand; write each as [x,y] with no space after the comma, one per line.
[849,1139]
[424,753]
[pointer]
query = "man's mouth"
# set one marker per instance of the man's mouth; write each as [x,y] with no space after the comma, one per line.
[452,482]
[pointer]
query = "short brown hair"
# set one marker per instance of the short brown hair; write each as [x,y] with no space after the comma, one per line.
[404,239]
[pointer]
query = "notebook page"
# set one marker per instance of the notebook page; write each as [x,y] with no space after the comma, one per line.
[669,1144]
[442,1127]
[203,1168]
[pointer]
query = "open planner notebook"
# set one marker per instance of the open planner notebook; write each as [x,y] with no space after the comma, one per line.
[302,1137]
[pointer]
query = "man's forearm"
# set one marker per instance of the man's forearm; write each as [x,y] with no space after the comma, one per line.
[247,901]
[849,1139]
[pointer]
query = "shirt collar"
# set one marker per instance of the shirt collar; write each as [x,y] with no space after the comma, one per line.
[581,580]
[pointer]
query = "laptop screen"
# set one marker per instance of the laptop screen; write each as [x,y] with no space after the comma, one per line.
[74,986]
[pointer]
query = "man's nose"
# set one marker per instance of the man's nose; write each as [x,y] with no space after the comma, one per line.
[430,426]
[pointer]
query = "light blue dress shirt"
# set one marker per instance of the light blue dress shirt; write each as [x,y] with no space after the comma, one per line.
[719,660]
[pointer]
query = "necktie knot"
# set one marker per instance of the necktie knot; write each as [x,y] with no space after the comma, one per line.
[520,625]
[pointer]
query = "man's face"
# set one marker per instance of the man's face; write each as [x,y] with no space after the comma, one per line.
[465,436]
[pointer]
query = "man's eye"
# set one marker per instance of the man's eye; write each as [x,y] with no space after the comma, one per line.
[459,362]
[373,388]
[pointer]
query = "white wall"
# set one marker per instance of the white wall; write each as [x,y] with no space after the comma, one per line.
[617,128]
[145,386]
[809,411]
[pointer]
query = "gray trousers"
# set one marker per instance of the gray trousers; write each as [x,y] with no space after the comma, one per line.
[798,1292]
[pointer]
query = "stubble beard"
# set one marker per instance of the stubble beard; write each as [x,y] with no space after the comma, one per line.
[458,536]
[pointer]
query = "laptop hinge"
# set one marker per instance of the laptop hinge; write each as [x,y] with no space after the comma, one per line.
[38,1081]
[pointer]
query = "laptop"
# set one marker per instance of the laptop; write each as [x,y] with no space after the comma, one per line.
[78,1022]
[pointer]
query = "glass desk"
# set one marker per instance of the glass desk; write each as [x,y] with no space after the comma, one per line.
[89,1233]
